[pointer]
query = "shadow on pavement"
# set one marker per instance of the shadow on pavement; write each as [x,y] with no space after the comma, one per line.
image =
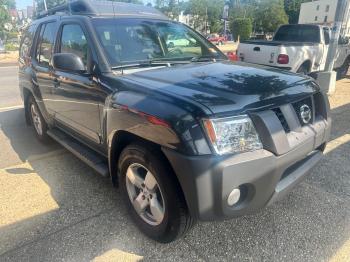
[85,219]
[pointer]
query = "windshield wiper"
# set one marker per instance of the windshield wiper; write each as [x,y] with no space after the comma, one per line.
[203,59]
[150,63]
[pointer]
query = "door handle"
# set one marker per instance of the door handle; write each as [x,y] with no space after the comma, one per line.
[256,49]
[56,83]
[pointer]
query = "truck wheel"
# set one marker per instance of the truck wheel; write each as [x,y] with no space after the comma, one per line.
[37,120]
[303,70]
[151,196]
[343,70]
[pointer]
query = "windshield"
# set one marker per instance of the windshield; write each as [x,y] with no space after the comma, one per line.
[298,33]
[128,41]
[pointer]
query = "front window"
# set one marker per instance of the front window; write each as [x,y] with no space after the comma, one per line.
[128,41]
[73,41]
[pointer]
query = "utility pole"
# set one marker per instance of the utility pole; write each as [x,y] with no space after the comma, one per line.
[45,5]
[338,24]
[327,79]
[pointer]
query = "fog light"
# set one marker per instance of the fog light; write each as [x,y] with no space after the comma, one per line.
[234,196]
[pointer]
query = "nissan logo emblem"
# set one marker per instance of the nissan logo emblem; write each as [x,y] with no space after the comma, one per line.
[305,114]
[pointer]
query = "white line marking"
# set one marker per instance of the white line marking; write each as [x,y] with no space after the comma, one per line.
[8,67]
[2,109]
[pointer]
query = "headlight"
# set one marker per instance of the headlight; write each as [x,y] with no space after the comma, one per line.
[232,134]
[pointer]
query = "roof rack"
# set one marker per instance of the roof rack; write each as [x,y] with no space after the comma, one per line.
[103,8]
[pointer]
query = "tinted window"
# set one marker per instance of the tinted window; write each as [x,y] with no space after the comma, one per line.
[45,44]
[298,33]
[74,41]
[26,42]
[132,40]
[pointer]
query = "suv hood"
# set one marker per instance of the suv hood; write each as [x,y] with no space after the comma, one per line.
[226,86]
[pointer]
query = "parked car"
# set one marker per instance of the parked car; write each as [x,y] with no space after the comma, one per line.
[299,48]
[217,39]
[175,40]
[184,133]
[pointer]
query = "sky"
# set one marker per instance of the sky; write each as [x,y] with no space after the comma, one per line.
[24,3]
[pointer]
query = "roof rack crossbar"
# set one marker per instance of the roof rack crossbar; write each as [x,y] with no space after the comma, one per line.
[110,8]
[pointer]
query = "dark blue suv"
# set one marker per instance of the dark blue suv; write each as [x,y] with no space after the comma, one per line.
[186,134]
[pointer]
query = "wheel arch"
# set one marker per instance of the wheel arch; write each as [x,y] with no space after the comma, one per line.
[307,64]
[121,139]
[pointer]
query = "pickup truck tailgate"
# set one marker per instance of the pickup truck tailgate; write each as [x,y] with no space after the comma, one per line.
[258,52]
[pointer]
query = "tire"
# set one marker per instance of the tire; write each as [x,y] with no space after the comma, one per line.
[343,70]
[137,162]
[36,119]
[303,70]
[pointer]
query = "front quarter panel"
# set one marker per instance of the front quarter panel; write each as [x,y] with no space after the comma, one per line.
[155,119]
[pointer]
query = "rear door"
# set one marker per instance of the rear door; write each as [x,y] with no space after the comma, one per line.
[76,98]
[41,62]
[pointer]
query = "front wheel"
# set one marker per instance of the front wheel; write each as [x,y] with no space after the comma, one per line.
[151,194]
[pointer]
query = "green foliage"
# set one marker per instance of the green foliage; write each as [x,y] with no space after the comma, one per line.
[242,27]
[10,4]
[292,8]
[4,18]
[11,47]
[270,15]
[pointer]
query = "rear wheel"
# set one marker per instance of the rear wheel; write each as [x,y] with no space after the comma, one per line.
[151,195]
[343,70]
[37,120]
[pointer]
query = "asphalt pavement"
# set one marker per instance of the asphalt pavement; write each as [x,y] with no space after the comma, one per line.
[55,208]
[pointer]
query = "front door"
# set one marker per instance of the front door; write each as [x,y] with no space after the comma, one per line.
[77,98]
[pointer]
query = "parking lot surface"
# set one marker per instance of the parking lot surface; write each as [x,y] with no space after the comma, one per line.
[55,208]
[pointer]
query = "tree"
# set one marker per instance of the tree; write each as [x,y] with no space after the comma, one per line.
[292,8]
[270,15]
[242,27]
[5,5]
[10,4]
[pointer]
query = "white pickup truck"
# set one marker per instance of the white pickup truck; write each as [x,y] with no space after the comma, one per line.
[300,48]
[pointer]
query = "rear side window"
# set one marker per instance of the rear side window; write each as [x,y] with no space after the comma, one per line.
[73,41]
[298,33]
[45,44]
[26,43]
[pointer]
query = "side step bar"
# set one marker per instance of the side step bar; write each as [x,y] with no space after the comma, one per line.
[84,153]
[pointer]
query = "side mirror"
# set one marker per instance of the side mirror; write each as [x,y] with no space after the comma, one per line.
[68,62]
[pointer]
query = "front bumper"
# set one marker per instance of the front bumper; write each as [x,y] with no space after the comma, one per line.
[263,176]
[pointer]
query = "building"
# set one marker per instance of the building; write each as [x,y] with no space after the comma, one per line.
[322,12]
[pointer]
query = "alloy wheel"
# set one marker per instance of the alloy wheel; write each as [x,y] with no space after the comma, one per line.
[145,194]
[36,119]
